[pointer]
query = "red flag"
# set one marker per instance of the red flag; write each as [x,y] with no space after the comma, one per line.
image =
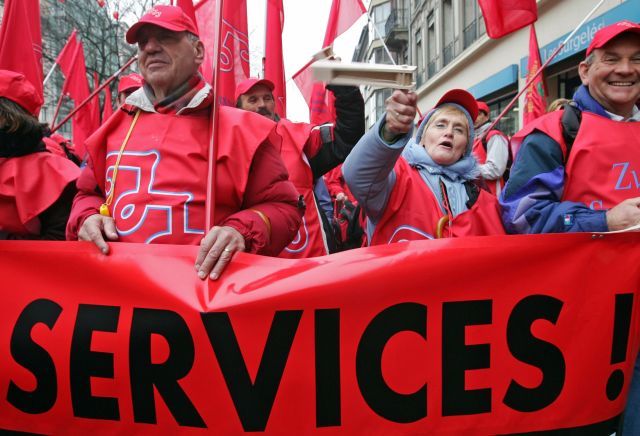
[234,45]
[187,8]
[107,108]
[274,64]
[314,93]
[72,64]
[20,41]
[502,17]
[535,101]
[342,16]
[33,12]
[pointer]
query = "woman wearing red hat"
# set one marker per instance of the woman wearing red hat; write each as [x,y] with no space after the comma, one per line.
[421,188]
[36,187]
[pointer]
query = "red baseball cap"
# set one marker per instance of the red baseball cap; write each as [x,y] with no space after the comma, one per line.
[15,87]
[244,86]
[168,17]
[606,34]
[462,98]
[483,107]
[130,82]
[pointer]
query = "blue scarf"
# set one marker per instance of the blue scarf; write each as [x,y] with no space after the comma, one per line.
[586,102]
[461,171]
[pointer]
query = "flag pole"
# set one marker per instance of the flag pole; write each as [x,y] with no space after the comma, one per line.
[94,93]
[46,79]
[211,173]
[542,67]
[55,113]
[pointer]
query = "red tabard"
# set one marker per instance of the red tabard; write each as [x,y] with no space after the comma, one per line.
[413,211]
[310,240]
[28,186]
[604,163]
[160,187]
[481,154]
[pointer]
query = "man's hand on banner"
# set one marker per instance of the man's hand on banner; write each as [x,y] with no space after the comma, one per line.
[95,228]
[216,251]
[624,215]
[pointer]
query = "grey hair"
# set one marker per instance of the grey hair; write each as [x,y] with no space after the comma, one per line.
[192,37]
[590,59]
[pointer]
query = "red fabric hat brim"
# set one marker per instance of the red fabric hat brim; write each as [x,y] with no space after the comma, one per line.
[462,98]
[246,85]
[606,34]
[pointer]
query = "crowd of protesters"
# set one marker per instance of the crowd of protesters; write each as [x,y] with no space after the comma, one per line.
[281,188]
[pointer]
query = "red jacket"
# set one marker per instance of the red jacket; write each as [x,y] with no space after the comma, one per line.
[297,145]
[161,183]
[28,186]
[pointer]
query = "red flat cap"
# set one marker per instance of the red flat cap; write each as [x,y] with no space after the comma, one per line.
[130,82]
[462,98]
[168,17]
[244,86]
[606,34]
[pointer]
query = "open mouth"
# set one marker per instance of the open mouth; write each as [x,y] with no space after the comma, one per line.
[447,144]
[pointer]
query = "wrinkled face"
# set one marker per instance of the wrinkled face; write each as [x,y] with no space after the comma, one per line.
[613,76]
[445,137]
[167,59]
[259,99]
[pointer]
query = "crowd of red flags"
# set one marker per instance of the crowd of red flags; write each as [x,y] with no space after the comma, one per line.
[21,50]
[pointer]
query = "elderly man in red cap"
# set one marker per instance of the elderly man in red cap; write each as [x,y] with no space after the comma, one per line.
[37,186]
[308,153]
[146,177]
[563,181]
[491,149]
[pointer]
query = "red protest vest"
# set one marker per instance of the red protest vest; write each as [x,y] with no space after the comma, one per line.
[160,188]
[28,186]
[413,212]
[604,162]
[310,240]
[481,154]
[603,168]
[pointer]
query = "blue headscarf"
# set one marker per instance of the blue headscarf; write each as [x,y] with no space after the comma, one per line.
[465,169]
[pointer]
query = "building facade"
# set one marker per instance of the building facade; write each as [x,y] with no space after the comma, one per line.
[447,41]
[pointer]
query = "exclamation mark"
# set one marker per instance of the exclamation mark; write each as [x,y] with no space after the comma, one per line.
[621,324]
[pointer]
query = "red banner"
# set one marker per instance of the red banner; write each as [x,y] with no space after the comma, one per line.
[425,337]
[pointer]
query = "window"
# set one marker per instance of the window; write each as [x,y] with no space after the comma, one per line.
[448,51]
[419,58]
[432,51]
[473,22]
[380,14]
[509,123]
[381,96]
